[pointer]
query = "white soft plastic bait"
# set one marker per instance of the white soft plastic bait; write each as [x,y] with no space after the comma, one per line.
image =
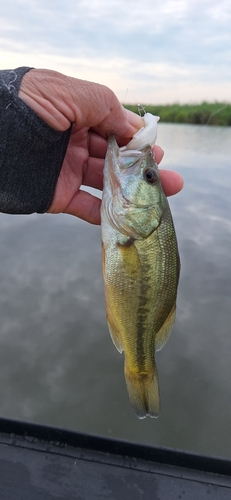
[145,136]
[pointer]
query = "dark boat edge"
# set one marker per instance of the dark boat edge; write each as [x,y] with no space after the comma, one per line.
[114,447]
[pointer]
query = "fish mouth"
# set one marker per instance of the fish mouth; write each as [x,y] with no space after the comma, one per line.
[121,205]
[127,162]
[131,158]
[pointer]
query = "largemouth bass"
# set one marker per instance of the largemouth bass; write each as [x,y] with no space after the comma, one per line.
[140,263]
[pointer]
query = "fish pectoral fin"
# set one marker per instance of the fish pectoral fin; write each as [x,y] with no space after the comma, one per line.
[163,334]
[130,259]
[143,391]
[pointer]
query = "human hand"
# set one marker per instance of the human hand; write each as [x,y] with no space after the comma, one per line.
[95,113]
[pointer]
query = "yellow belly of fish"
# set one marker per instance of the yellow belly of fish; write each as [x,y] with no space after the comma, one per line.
[140,291]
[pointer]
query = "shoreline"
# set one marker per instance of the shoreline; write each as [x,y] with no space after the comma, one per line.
[206,113]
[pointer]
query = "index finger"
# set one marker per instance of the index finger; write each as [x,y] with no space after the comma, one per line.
[98,147]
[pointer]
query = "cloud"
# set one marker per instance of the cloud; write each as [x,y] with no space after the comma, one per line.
[144,45]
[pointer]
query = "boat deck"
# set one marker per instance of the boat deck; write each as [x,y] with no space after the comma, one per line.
[45,463]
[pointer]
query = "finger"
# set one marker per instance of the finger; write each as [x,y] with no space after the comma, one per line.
[172,182]
[97,145]
[158,153]
[105,114]
[135,121]
[61,100]
[93,173]
[85,206]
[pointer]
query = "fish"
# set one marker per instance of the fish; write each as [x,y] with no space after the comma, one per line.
[140,263]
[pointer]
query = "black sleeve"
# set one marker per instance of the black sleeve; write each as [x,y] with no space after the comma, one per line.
[31,152]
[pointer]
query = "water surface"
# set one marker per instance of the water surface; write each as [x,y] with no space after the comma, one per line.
[57,363]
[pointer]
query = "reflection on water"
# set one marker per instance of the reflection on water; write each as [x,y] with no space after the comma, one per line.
[57,362]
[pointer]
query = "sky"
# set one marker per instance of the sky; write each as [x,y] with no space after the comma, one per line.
[146,51]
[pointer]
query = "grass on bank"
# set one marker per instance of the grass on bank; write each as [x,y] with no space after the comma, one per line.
[217,113]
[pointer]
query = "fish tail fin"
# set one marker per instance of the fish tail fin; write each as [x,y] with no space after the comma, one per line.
[143,390]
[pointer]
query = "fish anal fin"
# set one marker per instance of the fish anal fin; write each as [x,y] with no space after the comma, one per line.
[163,334]
[143,391]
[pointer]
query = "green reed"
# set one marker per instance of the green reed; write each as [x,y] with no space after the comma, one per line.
[206,113]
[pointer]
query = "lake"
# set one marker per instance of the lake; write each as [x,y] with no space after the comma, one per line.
[58,365]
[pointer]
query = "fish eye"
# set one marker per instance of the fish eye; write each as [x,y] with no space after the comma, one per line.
[150,175]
